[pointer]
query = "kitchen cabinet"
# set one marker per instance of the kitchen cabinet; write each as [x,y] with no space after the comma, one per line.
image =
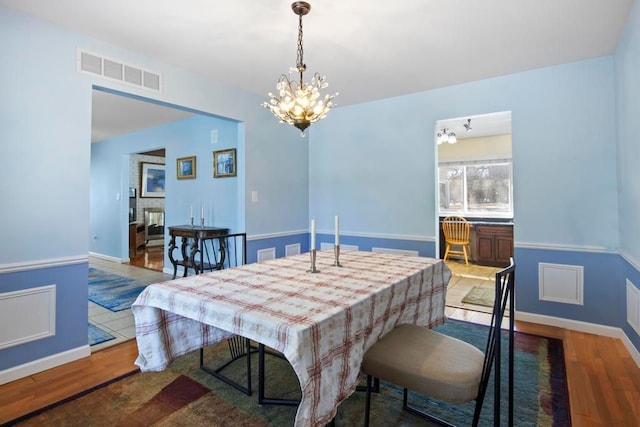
[494,244]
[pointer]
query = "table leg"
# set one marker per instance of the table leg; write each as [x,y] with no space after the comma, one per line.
[185,257]
[195,249]
[174,262]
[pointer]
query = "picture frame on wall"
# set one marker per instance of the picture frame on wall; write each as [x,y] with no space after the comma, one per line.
[224,163]
[152,180]
[186,167]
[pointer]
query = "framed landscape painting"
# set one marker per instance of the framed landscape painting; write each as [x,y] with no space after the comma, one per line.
[224,163]
[186,167]
[151,180]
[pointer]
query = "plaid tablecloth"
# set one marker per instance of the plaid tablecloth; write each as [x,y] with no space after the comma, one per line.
[323,323]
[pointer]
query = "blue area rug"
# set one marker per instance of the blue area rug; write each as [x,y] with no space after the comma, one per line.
[97,335]
[112,291]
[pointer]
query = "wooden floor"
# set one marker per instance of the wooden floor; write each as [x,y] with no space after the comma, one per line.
[151,257]
[603,379]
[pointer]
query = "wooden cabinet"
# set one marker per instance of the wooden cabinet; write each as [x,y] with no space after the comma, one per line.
[136,236]
[494,244]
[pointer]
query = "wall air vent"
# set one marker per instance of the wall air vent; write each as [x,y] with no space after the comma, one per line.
[114,69]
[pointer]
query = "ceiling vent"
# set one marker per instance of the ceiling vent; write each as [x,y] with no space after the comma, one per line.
[117,70]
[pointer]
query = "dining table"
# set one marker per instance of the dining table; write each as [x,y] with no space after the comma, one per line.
[322,322]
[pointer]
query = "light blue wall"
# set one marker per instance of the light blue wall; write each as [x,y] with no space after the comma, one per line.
[368,160]
[627,66]
[374,164]
[188,137]
[45,131]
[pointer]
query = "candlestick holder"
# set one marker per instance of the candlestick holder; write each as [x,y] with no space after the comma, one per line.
[191,222]
[312,269]
[202,222]
[336,253]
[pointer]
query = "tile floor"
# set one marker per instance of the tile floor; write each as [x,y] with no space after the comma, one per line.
[120,323]
[463,278]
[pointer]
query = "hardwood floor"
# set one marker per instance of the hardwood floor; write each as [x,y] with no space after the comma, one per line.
[151,257]
[603,379]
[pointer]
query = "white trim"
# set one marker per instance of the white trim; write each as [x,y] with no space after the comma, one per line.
[14,305]
[43,364]
[292,249]
[109,257]
[275,235]
[395,251]
[561,283]
[266,254]
[580,326]
[43,263]
[560,247]
[351,234]
[385,236]
[634,262]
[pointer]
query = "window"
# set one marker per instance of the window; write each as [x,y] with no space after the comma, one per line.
[478,188]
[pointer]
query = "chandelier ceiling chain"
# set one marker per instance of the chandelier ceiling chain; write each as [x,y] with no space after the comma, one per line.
[300,65]
[300,104]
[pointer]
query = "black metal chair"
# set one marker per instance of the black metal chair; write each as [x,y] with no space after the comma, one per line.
[443,367]
[229,252]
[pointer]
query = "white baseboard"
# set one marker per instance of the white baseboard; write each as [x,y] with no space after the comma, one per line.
[43,364]
[577,325]
[109,257]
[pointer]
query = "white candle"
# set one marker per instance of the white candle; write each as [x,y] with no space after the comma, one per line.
[202,211]
[337,226]
[191,216]
[313,234]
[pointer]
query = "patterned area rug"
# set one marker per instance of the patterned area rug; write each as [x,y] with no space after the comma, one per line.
[112,291]
[97,335]
[186,395]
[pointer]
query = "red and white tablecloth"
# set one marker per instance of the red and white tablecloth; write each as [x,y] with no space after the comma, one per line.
[323,322]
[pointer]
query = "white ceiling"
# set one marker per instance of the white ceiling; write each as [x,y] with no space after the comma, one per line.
[114,115]
[368,50]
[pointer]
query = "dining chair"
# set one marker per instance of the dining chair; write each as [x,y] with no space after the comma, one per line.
[442,367]
[456,232]
[233,253]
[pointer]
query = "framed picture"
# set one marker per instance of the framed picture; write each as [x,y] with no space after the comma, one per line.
[186,167]
[224,163]
[151,180]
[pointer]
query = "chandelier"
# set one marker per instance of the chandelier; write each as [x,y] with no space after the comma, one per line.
[446,135]
[298,103]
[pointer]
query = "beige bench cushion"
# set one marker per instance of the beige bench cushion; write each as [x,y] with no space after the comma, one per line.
[428,362]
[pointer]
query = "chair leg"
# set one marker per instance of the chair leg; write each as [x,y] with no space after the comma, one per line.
[367,402]
[406,407]
[464,251]
[446,252]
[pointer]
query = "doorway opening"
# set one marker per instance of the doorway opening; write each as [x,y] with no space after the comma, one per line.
[475,181]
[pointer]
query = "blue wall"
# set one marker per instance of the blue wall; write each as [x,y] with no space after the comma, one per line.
[374,165]
[189,137]
[575,174]
[45,133]
[627,64]
[71,308]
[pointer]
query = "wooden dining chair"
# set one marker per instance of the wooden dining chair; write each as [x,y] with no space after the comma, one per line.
[443,367]
[456,232]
